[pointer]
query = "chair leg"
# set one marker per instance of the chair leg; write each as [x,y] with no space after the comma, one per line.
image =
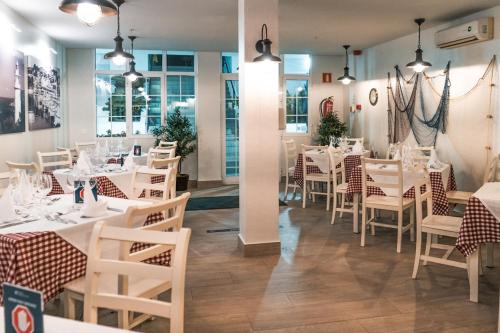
[313,186]
[286,187]
[400,231]
[328,190]
[363,225]
[412,223]
[304,194]
[342,205]
[418,251]
[372,226]
[334,210]
[428,246]
[69,306]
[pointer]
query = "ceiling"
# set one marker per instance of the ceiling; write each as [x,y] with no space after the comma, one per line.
[309,26]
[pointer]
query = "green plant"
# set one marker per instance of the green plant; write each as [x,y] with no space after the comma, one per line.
[331,126]
[178,128]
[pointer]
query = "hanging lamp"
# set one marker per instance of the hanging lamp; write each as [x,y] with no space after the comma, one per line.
[88,11]
[419,65]
[132,75]
[263,46]
[118,56]
[346,78]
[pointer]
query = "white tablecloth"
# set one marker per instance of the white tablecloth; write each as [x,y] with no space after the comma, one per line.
[489,195]
[322,159]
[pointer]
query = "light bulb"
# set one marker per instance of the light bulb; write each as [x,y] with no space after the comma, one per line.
[89,13]
[119,60]
[419,68]
[132,77]
[346,81]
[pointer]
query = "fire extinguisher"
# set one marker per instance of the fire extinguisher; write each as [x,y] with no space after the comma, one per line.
[326,106]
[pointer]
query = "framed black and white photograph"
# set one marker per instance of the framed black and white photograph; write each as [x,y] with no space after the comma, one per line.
[44,96]
[12,97]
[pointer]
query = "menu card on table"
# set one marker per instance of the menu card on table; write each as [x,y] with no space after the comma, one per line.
[23,309]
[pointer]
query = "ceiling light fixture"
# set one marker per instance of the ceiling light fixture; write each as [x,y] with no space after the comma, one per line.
[132,75]
[263,46]
[346,78]
[118,56]
[419,65]
[88,11]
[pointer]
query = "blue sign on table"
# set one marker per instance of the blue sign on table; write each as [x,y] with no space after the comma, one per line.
[79,190]
[23,309]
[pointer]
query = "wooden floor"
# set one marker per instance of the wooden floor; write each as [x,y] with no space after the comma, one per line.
[322,282]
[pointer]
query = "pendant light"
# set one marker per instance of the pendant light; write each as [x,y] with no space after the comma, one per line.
[88,11]
[132,75]
[118,56]
[346,78]
[419,64]
[263,46]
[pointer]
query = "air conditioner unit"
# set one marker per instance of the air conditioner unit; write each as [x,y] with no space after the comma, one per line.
[479,30]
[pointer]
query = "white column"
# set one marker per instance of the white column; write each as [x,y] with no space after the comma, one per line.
[259,134]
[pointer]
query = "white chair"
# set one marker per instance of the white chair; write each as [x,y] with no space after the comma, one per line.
[81,146]
[173,165]
[313,178]
[338,168]
[391,173]
[492,173]
[151,182]
[434,225]
[14,166]
[75,290]
[54,160]
[72,151]
[290,149]
[158,153]
[167,144]
[422,153]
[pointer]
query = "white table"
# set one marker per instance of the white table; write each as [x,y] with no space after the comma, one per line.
[53,324]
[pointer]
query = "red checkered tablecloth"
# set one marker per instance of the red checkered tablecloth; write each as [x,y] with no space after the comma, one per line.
[440,202]
[479,226]
[350,162]
[44,261]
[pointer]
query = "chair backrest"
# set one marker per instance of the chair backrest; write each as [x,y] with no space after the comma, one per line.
[352,141]
[389,173]
[168,163]
[80,146]
[53,160]
[167,144]
[309,164]
[422,153]
[158,153]
[133,265]
[492,173]
[151,182]
[420,198]
[290,149]
[337,165]
[13,166]
[72,151]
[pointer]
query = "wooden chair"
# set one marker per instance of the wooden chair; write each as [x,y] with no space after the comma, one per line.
[290,149]
[392,171]
[130,267]
[151,182]
[80,146]
[312,178]
[72,151]
[13,166]
[167,144]
[75,290]
[491,174]
[422,153]
[54,160]
[172,164]
[159,153]
[434,225]
[338,168]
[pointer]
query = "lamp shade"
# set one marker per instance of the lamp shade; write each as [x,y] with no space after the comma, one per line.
[88,11]
[263,46]
[346,78]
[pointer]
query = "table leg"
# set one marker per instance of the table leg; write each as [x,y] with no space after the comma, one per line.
[473,271]
[490,261]
[355,213]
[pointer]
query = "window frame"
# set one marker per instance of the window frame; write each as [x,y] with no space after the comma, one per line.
[302,78]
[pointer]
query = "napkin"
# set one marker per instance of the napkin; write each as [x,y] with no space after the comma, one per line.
[83,164]
[358,147]
[434,162]
[331,141]
[7,211]
[91,206]
[129,163]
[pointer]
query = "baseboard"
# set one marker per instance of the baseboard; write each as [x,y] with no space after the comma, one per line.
[208,184]
[259,249]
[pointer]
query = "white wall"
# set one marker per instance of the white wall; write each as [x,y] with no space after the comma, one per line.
[466,136]
[22,147]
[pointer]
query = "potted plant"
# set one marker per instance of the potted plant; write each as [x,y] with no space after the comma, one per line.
[331,127]
[178,128]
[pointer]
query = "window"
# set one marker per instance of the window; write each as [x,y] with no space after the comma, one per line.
[110,104]
[297,64]
[179,61]
[181,94]
[146,105]
[230,62]
[297,92]
[148,60]
[232,128]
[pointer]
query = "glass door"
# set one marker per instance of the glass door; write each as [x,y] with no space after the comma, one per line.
[231,130]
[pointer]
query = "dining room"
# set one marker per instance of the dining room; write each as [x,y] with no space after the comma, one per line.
[249,166]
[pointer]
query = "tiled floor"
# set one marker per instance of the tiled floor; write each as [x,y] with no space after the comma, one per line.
[322,282]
